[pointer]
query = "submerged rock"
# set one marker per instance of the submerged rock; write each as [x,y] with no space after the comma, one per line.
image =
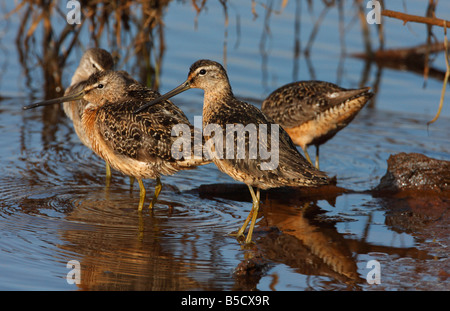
[415,191]
[414,171]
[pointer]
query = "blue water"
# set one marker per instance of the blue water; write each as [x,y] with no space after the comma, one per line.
[54,206]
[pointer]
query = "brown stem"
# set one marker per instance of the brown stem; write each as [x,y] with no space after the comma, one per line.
[414,18]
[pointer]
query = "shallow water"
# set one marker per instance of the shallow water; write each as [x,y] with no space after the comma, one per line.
[55,206]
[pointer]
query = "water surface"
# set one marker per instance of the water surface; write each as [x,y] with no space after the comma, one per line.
[55,207]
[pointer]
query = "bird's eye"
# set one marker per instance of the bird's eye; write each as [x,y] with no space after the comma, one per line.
[100,86]
[202,72]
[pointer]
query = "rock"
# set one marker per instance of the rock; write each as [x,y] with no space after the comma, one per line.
[415,191]
[417,172]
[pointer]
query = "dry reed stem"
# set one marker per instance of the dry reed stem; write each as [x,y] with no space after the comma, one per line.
[447,74]
[415,18]
[434,22]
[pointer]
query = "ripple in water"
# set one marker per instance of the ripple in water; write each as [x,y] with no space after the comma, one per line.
[46,222]
[55,208]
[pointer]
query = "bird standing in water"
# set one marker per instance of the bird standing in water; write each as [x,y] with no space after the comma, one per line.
[221,108]
[312,112]
[137,145]
[93,60]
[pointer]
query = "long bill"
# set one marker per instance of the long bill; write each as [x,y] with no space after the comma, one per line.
[179,89]
[68,98]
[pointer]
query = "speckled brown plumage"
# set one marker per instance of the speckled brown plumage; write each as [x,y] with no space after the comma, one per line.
[117,132]
[312,112]
[137,145]
[92,61]
[220,107]
[292,170]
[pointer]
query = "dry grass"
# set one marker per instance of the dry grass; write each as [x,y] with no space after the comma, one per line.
[115,19]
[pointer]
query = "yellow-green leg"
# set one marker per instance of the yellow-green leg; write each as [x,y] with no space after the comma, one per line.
[131,181]
[158,188]
[255,208]
[305,151]
[141,195]
[317,156]
[251,216]
[240,233]
[108,174]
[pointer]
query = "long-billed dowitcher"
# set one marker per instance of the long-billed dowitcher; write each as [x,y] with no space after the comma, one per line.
[137,145]
[312,112]
[221,108]
[92,61]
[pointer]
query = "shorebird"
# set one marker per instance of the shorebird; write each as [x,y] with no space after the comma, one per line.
[312,112]
[220,107]
[93,60]
[137,145]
